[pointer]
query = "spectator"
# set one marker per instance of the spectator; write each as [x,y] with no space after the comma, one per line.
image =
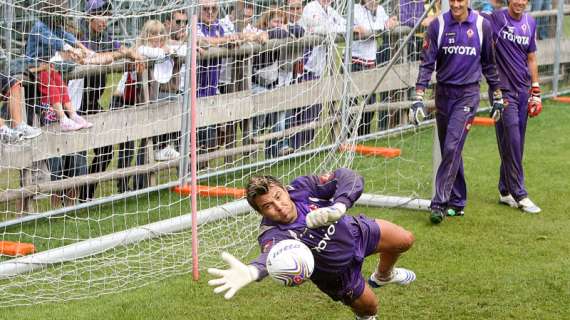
[320,18]
[47,43]
[303,115]
[410,14]
[48,47]
[543,27]
[266,77]
[11,89]
[210,33]
[369,17]
[460,58]
[96,36]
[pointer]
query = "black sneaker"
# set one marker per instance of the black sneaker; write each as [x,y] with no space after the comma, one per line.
[454,212]
[436,216]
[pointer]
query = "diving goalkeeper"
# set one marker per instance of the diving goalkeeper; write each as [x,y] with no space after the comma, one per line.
[312,210]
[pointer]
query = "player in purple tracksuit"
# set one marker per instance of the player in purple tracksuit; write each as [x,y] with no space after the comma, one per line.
[515,44]
[311,210]
[458,45]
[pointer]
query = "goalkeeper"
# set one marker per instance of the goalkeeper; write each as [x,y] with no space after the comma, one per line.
[515,45]
[312,210]
[458,45]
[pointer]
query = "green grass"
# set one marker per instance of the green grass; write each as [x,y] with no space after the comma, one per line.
[495,263]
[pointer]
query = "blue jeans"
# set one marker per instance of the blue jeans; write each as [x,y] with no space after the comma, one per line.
[541,22]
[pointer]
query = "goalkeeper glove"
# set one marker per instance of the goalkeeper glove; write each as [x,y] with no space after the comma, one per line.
[534,102]
[325,216]
[236,277]
[417,110]
[498,105]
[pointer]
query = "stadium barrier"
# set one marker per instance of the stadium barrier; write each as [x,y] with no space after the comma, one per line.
[212,110]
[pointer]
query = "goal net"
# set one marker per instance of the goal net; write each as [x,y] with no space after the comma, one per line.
[274,87]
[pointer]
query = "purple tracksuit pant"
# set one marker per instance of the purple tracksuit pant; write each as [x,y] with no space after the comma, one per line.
[510,140]
[455,109]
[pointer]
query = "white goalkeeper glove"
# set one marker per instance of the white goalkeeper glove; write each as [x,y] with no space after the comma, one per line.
[325,216]
[417,111]
[236,277]
[498,105]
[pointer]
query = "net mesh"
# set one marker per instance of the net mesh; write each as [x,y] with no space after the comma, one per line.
[270,100]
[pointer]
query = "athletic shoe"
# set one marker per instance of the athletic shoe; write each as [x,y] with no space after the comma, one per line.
[27,131]
[400,276]
[454,212]
[508,200]
[9,135]
[166,154]
[81,121]
[436,216]
[528,206]
[67,124]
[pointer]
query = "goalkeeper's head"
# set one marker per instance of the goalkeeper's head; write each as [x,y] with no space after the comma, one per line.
[270,198]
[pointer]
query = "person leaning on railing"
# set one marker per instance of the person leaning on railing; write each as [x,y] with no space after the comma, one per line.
[369,18]
[97,37]
[210,34]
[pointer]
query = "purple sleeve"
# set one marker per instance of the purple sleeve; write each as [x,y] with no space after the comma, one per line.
[343,185]
[532,44]
[429,55]
[488,64]
[266,241]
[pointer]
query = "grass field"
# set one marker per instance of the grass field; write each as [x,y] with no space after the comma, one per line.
[495,263]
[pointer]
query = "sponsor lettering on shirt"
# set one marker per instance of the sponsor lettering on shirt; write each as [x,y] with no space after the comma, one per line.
[522,40]
[459,50]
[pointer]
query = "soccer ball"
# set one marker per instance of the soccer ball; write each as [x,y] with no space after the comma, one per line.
[290,262]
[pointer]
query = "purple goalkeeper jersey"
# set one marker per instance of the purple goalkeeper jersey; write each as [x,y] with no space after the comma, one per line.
[459,52]
[333,246]
[514,40]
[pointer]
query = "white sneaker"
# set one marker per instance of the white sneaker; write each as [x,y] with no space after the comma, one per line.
[27,131]
[81,121]
[166,154]
[508,200]
[528,206]
[9,135]
[67,124]
[400,276]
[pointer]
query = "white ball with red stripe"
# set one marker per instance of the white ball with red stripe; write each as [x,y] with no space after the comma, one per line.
[290,262]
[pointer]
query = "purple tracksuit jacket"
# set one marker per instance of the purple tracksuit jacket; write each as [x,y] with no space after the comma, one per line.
[459,52]
[514,41]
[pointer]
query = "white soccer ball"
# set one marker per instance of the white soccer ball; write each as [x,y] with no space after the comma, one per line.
[290,262]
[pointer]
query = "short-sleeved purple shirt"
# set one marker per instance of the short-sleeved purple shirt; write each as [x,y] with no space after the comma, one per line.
[209,69]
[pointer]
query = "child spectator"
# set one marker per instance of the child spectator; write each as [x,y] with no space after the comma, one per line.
[151,44]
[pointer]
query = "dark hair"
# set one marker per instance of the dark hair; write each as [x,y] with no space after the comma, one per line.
[169,16]
[258,186]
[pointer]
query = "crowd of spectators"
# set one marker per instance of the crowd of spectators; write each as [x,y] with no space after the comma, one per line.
[52,48]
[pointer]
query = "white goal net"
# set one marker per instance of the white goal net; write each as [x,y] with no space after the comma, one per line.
[99,98]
